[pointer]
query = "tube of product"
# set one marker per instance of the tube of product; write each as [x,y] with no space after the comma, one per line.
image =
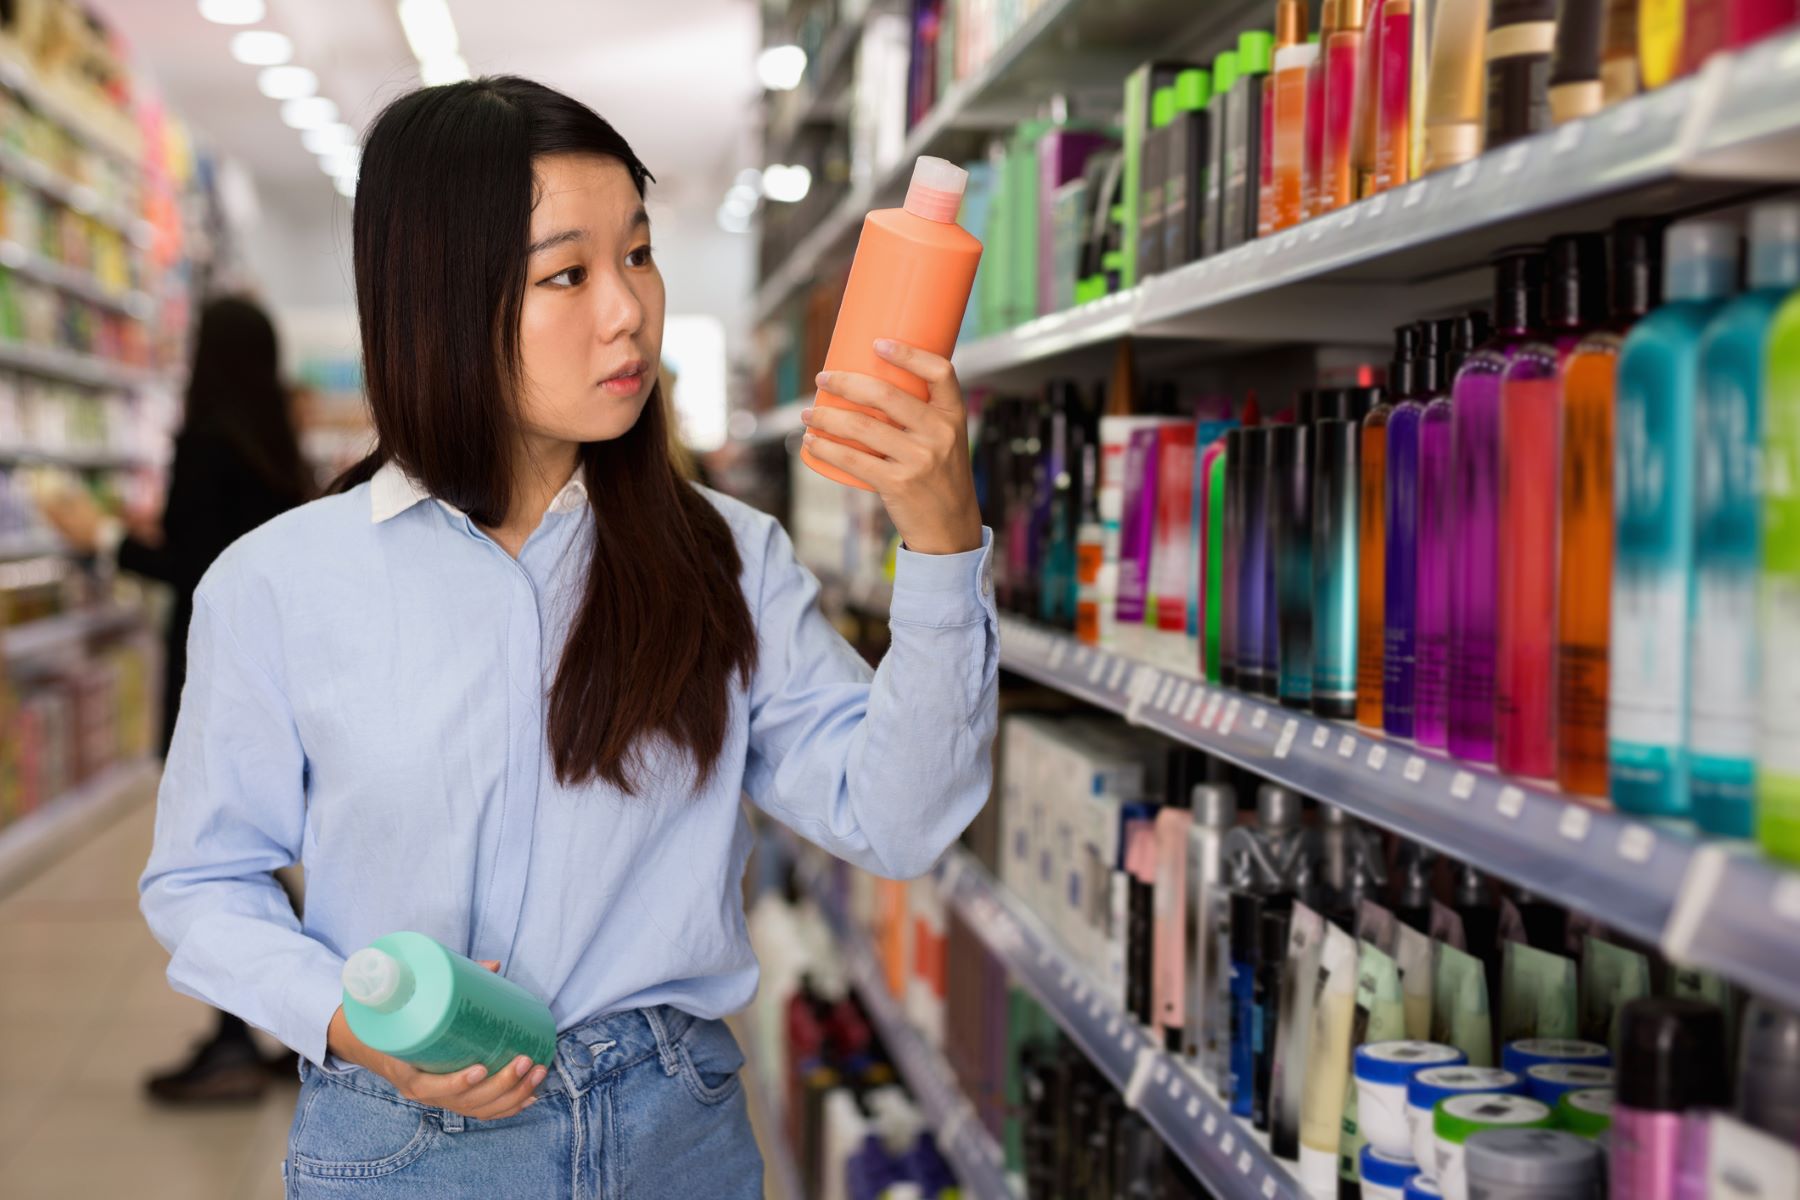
[1413,954]
[1313,153]
[1273,485]
[1342,53]
[1213,616]
[1380,1017]
[1184,188]
[1255,673]
[1246,931]
[1137,526]
[1243,140]
[1401,555]
[1575,88]
[1393,91]
[1328,1066]
[1366,105]
[1371,549]
[1672,1063]
[1537,995]
[1290,33]
[1611,978]
[1618,52]
[1293,75]
[1271,965]
[1453,99]
[1519,41]
[1169,967]
[1334,529]
[1155,172]
[1231,566]
[1459,1009]
[1299,989]
[1213,811]
[1219,110]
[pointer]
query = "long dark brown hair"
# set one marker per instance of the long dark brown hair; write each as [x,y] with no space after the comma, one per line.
[235,394]
[441,227]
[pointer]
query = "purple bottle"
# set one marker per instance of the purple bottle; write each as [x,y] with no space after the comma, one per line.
[1475,502]
[1457,339]
[1413,379]
[1671,1067]
[1255,672]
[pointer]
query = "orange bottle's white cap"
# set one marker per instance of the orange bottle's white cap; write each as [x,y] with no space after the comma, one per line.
[937,189]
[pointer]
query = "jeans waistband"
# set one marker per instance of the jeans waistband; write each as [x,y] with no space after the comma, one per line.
[585,1053]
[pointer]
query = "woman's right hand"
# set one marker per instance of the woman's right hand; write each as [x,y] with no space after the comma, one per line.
[471,1091]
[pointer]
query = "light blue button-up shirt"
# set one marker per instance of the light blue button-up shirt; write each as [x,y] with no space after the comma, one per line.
[366,694]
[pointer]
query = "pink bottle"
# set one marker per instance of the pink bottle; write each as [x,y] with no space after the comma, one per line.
[1671,1067]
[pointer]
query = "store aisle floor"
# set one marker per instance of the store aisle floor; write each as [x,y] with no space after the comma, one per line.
[85,1014]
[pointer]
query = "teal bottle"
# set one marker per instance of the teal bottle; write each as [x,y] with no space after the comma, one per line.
[1723,646]
[408,996]
[1653,536]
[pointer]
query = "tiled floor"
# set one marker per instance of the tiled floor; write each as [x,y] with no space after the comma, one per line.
[84,1014]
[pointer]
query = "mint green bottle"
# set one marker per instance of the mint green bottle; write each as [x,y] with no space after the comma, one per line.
[408,996]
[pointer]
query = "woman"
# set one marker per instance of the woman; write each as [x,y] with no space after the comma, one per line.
[507,687]
[237,463]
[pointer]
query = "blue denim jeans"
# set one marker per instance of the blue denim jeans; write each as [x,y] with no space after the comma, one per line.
[641,1105]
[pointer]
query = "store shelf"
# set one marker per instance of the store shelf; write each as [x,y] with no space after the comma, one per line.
[1350,276]
[70,366]
[39,838]
[961,1138]
[1222,1151]
[76,459]
[826,97]
[21,78]
[38,639]
[32,265]
[1063,47]
[1709,905]
[78,196]
[20,546]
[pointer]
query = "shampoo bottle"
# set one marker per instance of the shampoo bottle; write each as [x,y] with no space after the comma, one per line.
[909,281]
[1290,513]
[1728,527]
[1585,497]
[1778,624]
[1416,382]
[1653,540]
[1342,53]
[1244,138]
[1521,35]
[1371,545]
[408,996]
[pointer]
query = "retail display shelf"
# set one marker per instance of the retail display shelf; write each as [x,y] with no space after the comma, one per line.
[1350,276]
[21,78]
[75,282]
[36,639]
[77,458]
[70,366]
[962,1139]
[1714,905]
[1224,1152]
[38,838]
[78,196]
[825,97]
[1074,43]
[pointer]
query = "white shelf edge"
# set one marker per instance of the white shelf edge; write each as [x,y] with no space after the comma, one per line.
[39,838]
[35,639]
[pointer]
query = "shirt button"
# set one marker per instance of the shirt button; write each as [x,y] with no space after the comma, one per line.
[987,581]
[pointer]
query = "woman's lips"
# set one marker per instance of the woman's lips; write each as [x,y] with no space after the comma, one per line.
[626,382]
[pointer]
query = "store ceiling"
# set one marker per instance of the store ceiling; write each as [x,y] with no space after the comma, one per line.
[677,77]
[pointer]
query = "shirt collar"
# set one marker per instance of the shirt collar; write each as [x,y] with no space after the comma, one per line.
[392,491]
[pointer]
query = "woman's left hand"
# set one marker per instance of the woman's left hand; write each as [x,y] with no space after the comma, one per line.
[920,463]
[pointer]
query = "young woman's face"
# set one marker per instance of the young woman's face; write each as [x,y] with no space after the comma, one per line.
[590,333]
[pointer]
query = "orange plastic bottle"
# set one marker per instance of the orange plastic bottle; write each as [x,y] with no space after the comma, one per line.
[910,281]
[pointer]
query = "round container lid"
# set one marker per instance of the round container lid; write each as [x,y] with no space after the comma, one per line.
[1384,1170]
[374,978]
[1460,1117]
[1548,1081]
[1532,1158]
[1423,1187]
[1398,1062]
[1529,1052]
[1433,1084]
[1587,1112]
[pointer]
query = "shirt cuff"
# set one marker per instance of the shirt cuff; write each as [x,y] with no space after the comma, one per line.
[944,589]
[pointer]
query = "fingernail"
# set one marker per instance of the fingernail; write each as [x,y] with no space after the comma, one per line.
[809,439]
[806,416]
[538,1075]
[477,1074]
[529,1103]
[522,1067]
[886,345]
[821,377]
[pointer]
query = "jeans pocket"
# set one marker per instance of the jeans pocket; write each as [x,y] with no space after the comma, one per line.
[346,1131]
[711,1063]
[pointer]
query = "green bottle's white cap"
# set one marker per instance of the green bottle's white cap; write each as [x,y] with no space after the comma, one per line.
[376,979]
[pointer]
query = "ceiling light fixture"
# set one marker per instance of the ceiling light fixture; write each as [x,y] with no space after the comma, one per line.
[261,48]
[346,186]
[286,83]
[308,112]
[343,161]
[434,72]
[327,138]
[781,67]
[232,12]
[785,184]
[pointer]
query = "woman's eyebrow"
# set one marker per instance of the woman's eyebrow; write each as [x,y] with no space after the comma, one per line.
[560,238]
[639,219]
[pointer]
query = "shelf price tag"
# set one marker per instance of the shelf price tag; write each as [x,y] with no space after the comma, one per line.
[1415,194]
[1098,669]
[1193,1108]
[1139,1083]
[1228,1142]
[1193,705]
[1259,718]
[1175,1089]
[1231,714]
[1212,710]
[1118,675]
[1377,757]
[1245,1162]
[1179,698]
[1636,844]
[1415,769]
[1112,1028]
[1516,154]
[1347,747]
[1575,823]
[1378,204]
[1785,899]
[1162,1073]
[1568,137]
[1510,803]
[1285,742]
[1058,652]
[1211,1123]
[1163,692]
[1465,174]
[1462,785]
[1269,1187]
[1321,737]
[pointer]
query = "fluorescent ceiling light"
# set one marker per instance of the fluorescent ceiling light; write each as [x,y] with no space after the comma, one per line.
[342,161]
[786,185]
[436,71]
[733,221]
[261,48]
[232,12]
[781,67]
[751,178]
[308,112]
[429,29]
[327,138]
[286,83]
[346,186]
